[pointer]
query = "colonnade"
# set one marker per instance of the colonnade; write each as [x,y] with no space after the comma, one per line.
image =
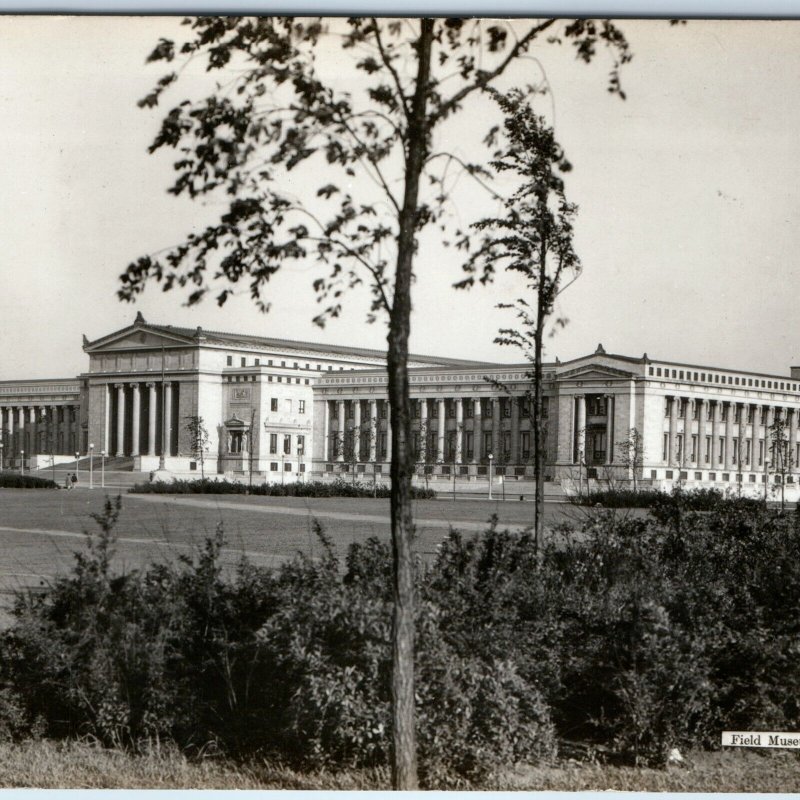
[580,429]
[462,418]
[729,434]
[39,428]
[144,431]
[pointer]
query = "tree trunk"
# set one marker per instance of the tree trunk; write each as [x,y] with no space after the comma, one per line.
[404,745]
[538,465]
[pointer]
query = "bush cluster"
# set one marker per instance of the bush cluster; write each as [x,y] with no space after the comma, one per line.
[13,480]
[337,488]
[626,639]
[694,499]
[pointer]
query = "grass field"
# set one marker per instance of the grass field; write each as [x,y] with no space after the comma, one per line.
[40,530]
[79,765]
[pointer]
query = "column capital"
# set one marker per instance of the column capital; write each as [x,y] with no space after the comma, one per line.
[151,385]
[120,385]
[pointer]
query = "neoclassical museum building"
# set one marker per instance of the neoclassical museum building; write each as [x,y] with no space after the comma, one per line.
[280,408]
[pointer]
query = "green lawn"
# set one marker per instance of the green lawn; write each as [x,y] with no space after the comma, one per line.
[39,530]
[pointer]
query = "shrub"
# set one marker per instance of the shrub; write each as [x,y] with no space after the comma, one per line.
[13,480]
[337,488]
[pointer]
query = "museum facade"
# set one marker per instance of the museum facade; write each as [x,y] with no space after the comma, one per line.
[280,409]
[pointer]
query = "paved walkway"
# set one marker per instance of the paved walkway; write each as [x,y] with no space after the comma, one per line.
[50,533]
[376,519]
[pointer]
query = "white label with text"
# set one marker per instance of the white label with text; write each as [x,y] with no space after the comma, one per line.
[761,739]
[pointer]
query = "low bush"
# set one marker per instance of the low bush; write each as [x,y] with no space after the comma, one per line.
[13,480]
[337,488]
[693,499]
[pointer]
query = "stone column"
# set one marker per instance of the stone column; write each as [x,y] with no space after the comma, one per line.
[42,428]
[10,446]
[388,431]
[424,429]
[151,419]
[34,445]
[120,387]
[715,419]
[440,432]
[357,430]
[21,426]
[701,433]
[609,429]
[729,436]
[167,446]
[673,430]
[793,438]
[514,429]
[136,412]
[754,438]
[496,429]
[580,427]
[477,430]
[459,430]
[373,430]
[339,441]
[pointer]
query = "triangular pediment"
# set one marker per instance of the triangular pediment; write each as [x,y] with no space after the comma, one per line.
[599,372]
[137,337]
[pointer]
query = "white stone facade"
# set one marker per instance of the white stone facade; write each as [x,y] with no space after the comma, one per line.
[282,409]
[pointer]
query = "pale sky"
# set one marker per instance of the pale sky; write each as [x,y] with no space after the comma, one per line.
[689,196]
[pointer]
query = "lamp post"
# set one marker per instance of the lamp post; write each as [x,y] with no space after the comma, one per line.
[300,452]
[103,469]
[490,457]
[2,461]
[766,477]
[91,466]
[21,462]
[283,467]
[77,466]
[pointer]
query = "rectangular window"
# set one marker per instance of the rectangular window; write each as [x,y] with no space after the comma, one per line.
[525,445]
[698,476]
[764,415]
[287,466]
[760,452]
[667,406]
[244,362]
[679,448]
[506,444]
[707,455]
[301,406]
[665,448]
[468,409]
[283,363]
[506,406]
[487,444]
[468,445]
[301,445]
[287,443]
[721,451]
[351,410]
[724,414]
[488,408]
[273,466]
[229,361]
[258,362]
[273,404]
[737,413]
[296,365]
[273,443]
[658,372]
[545,407]
[735,452]
[694,447]
[382,445]
[451,408]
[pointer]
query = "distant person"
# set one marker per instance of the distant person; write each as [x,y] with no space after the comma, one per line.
[74,480]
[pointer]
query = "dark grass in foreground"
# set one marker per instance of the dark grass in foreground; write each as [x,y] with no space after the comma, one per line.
[82,765]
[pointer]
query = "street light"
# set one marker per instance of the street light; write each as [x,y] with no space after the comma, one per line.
[91,466]
[21,462]
[2,462]
[103,469]
[77,467]
[491,457]
[300,452]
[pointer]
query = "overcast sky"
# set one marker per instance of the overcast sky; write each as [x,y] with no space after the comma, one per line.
[689,196]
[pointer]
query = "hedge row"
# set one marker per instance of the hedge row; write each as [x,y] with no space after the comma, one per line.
[337,488]
[13,480]
[694,499]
